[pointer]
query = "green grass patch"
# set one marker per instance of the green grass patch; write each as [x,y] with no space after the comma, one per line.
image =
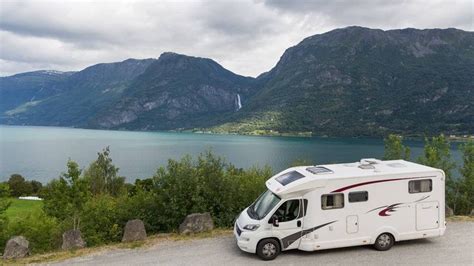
[21,208]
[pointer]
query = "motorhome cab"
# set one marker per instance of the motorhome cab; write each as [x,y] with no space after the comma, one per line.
[370,202]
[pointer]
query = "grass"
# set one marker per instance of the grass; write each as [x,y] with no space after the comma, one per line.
[21,208]
[150,241]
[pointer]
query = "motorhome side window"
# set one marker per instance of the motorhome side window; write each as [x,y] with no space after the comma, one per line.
[358,196]
[419,186]
[332,201]
[288,211]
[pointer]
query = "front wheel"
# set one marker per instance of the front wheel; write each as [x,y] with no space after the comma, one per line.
[268,249]
[384,242]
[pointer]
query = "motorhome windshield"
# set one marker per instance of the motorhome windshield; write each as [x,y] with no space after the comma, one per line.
[263,205]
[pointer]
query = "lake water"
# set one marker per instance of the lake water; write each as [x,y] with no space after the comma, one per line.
[41,153]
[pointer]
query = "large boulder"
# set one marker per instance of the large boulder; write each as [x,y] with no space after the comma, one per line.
[448,211]
[72,239]
[196,222]
[17,247]
[134,231]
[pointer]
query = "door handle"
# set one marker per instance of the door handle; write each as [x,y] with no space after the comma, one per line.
[298,223]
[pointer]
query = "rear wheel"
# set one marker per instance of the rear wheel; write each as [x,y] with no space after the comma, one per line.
[384,242]
[268,249]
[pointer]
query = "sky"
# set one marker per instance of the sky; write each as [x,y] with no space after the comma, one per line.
[246,36]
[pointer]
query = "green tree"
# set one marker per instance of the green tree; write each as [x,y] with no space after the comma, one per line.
[394,148]
[102,176]
[19,186]
[4,190]
[36,187]
[465,199]
[65,198]
[437,154]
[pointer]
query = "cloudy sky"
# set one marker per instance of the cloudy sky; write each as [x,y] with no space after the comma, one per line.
[245,36]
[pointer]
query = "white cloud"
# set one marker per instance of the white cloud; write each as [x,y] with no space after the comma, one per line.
[246,36]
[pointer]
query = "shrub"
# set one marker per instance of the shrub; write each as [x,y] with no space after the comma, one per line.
[142,205]
[207,184]
[42,231]
[100,221]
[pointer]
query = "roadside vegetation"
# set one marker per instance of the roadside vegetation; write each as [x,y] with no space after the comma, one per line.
[99,202]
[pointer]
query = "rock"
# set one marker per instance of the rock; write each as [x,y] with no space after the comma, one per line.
[472,212]
[196,222]
[448,211]
[17,247]
[72,239]
[134,231]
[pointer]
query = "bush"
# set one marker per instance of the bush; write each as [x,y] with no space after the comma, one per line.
[142,205]
[207,184]
[42,231]
[4,204]
[100,221]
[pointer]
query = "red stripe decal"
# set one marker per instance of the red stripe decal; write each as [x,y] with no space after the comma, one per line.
[370,182]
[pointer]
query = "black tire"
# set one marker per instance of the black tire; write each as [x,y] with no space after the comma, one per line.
[268,249]
[384,242]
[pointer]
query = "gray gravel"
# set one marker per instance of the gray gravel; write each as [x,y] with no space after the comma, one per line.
[456,247]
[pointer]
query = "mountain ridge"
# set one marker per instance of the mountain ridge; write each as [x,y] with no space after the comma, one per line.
[352,81]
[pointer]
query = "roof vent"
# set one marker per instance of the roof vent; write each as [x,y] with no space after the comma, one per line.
[370,161]
[396,165]
[317,170]
[366,166]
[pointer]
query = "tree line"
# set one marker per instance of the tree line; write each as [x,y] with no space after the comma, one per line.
[99,202]
[437,154]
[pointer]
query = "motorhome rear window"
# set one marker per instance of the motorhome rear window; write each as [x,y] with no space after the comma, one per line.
[358,196]
[289,177]
[419,186]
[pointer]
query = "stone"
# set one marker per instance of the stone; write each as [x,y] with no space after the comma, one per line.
[134,231]
[448,211]
[17,247]
[472,212]
[72,239]
[196,222]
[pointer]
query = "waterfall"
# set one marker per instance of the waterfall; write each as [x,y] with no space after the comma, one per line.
[239,103]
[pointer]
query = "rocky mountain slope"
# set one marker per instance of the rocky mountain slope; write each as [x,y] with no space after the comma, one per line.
[176,92]
[358,81]
[352,81]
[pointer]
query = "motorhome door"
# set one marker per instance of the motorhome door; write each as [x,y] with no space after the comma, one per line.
[288,227]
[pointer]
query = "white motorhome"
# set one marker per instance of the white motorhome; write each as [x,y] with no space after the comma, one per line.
[371,202]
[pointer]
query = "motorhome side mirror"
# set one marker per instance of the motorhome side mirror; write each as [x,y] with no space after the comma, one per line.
[274,221]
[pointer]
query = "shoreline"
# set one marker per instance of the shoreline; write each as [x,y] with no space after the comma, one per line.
[271,133]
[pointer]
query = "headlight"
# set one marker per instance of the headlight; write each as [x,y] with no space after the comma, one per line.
[251,227]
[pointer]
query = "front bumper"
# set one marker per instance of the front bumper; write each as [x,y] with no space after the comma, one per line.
[245,241]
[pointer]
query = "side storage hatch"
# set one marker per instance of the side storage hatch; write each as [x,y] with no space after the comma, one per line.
[352,224]
[427,215]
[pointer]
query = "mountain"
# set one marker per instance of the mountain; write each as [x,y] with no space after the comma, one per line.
[176,92]
[29,87]
[359,81]
[82,95]
[347,82]
[173,91]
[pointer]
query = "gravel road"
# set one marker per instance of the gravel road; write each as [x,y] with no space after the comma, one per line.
[456,247]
